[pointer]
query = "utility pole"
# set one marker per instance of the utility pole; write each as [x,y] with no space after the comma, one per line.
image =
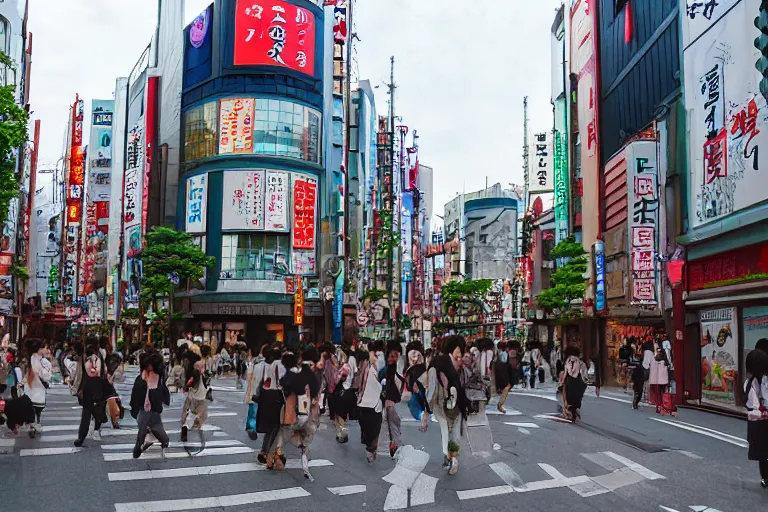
[391,130]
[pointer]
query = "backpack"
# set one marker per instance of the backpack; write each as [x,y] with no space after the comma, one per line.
[477,388]
[296,409]
[76,380]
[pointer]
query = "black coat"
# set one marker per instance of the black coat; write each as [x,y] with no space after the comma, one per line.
[157,397]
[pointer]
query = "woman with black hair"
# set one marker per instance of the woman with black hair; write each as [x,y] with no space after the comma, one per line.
[757,413]
[195,405]
[574,382]
[501,373]
[266,391]
[93,389]
[445,396]
[147,398]
[369,404]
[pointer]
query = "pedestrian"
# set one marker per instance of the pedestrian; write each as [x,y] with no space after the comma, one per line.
[513,358]
[269,397]
[638,382]
[445,397]
[254,366]
[554,357]
[369,404]
[597,375]
[37,380]
[114,404]
[574,383]
[416,383]
[301,413]
[392,383]
[5,369]
[501,372]
[624,355]
[757,413]
[647,358]
[658,378]
[147,398]
[194,412]
[93,398]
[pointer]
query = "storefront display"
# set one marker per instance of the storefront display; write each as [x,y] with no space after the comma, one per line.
[719,355]
[755,322]
[617,335]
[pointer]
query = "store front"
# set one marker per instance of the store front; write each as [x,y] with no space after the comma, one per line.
[625,332]
[727,308]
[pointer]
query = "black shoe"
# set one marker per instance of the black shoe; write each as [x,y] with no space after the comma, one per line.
[763,483]
[78,443]
[253,435]
[184,431]
[282,458]
[342,440]
[262,458]
[137,452]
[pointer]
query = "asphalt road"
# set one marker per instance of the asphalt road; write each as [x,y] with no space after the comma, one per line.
[616,459]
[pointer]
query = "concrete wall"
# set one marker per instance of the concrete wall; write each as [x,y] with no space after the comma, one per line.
[491,238]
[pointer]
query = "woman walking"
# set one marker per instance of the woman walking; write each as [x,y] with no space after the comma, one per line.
[269,396]
[757,413]
[147,398]
[501,372]
[446,399]
[37,380]
[369,405]
[574,383]
[658,378]
[93,399]
[196,403]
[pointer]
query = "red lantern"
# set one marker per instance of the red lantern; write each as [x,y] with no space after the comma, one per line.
[628,22]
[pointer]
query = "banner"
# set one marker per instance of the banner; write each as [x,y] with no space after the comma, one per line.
[133,189]
[236,126]
[303,263]
[643,194]
[276,218]
[542,173]
[274,33]
[600,276]
[74,216]
[406,237]
[243,207]
[304,204]
[719,355]
[755,327]
[100,151]
[197,197]
[561,189]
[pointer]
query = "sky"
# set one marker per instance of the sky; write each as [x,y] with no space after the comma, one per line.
[462,70]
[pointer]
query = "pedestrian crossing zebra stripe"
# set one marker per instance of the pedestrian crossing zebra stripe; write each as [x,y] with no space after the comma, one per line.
[213,502]
[220,469]
[231,450]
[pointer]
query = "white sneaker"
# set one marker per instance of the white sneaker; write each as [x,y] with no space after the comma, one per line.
[96,436]
[454,467]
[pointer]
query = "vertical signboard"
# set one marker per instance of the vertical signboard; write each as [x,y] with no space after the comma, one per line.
[541,176]
[132,192]
[719,355]
[406,236]
[561,189]
[304,204]
[276,199]
[643,194]
[236,126]
[725,61]
[599,276]
[153,85]
[100,151]
[74,217]
[197,197]
[243,206]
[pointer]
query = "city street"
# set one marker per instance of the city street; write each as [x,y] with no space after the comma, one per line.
[615,459]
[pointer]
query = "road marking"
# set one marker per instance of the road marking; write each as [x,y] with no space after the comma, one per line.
[347,490]
[397,498]
[485,492]
[690,454]
[6,445]
[72,437]
[508,475]
[233,450]
[423,490]
[706,432]
[208,444]
[34,452]
[221,469]
[552,417]
[410,463]
[523,424]
[634,466]
[212,502]
[551,471]
[510,412]
[603,461]
[524,431]
[545,397]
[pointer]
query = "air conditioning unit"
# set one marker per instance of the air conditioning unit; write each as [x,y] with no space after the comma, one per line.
[548,264]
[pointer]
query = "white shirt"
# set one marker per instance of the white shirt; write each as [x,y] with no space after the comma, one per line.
[35,389]
[371,398]
[352,363]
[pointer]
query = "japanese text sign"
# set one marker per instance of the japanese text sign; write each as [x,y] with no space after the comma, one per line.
[304,193]
[643,200]
[236,126]
[276,218]
[243,207]
[197,195]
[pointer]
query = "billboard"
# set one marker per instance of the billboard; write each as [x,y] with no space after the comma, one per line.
[236,126]
[274,33]
[100,150]
[133,189]
[304,213]
[276,218]
[74,216]
[541,177]
[243,200]
[726,98]
[197,197]
[643,194]
[719,355]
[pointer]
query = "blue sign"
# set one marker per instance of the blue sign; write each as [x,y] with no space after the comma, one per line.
[338,308]
[600,276]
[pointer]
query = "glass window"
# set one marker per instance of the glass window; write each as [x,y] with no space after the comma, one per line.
[261,256]
[284,128]
[201,132]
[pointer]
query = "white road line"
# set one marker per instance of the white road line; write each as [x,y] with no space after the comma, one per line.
[524,431]
[603,461]
[585,489]
[165,420]
[347,490]
[529,487]
[233,450]
[545,397]
[212,502]
[551,471]
[485,492]
[6,446]
[221,469]
[397,498]
[707,429]
[690,454]
[410,463]
[208,444]
[634,466]
[510,412]
[507,474]
[721,437]
[552,417]
[423,490]
[35,452]
[523,424]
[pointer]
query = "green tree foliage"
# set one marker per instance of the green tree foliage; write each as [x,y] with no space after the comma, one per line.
[13,134]
[568,282]
[168,251]
[456,293]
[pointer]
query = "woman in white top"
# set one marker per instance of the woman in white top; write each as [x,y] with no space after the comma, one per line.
[369,405]
[269,396]
[37,380]
[757,413]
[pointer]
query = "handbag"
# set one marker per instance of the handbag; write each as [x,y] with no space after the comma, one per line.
[255,396]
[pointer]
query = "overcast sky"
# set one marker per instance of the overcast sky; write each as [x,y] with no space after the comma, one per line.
[462,69]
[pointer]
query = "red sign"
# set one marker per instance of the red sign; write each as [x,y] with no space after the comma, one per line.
[153,84]
[304,214]
[274,33]
[735,266]
[298,306]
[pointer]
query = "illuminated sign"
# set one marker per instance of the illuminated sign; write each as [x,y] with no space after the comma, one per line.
[274,33]
[298,305]
[199,29]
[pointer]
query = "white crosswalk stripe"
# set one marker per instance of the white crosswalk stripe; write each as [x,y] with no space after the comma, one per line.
[213,502]
[207,470]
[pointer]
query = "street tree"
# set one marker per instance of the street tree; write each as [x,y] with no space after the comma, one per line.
[568,282]
[13,135]
[458,293]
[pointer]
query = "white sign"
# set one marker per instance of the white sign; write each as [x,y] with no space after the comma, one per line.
[197,197]
[727,115]
[643,198]
[699,15]
[541,176]
[276,203]
[243,202]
